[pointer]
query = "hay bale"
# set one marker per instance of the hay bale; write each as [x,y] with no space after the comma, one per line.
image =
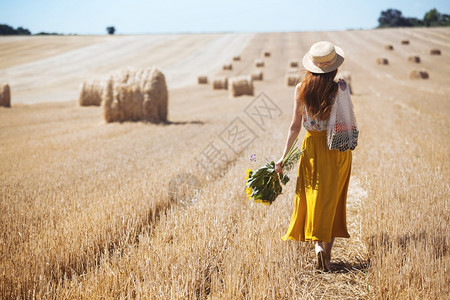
[382,61]
[202,79]
[414,59]
[220,83]
[347,77]
[257,75]
[236,58]
[293,64]
[136,95]
[293,77]
[259,63]
[241,85]
[91,93]
[5,95]
[388,47]
[435,52]
[227,67]
[419,74]
[405,42]
[266,54]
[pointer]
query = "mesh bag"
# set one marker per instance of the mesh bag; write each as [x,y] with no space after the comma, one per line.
[342,132]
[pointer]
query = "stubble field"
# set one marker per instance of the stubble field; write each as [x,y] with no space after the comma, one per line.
[87,210]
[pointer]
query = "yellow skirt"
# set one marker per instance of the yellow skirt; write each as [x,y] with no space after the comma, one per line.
[321,191]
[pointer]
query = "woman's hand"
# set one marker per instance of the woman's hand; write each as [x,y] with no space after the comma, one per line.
[278,167]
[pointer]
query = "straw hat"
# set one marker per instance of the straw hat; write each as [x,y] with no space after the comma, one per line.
[323,57]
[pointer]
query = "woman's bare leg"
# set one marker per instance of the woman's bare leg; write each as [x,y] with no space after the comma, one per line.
[327,248]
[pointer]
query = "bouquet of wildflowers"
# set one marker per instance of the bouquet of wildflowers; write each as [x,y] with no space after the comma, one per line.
[264,184]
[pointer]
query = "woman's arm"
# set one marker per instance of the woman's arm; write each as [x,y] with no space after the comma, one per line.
[294,130]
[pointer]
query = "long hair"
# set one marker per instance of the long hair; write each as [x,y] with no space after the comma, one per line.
[317,93]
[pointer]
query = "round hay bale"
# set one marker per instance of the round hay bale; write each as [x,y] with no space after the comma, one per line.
[110,104]
[382,61]
[136,95]
[419,74]
[266,54]
[414,59]
[5,95]
[259,63]
[389,47]
[293,77]
[405,42]
[293,64]
[156,97]
[347,76]
[435,52]
[227,67]
[241,85]
[91,94]
[257,75]
[220,83]
[202,79]
[237,58]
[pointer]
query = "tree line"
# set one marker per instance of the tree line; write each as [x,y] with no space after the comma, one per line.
[8,30]
[394,18]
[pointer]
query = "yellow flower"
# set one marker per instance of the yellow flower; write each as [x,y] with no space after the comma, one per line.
[265,202]
[248,190]
[247,174]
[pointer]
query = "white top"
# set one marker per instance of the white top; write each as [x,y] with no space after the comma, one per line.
[312,124]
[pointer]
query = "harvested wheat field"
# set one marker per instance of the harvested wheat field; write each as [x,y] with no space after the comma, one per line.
[87,210]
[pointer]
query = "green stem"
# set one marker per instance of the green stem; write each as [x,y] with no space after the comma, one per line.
[289,153]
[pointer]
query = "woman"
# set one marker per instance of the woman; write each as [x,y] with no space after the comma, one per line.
[323,176]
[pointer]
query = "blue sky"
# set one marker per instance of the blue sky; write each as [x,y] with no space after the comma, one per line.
[140,16]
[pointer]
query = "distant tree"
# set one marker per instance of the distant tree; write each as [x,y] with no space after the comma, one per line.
[23,31]
[432,17]
[446,19]
[416,22]
[435,18]
[8,30]
[111,29]
[48,33]
[393,18]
